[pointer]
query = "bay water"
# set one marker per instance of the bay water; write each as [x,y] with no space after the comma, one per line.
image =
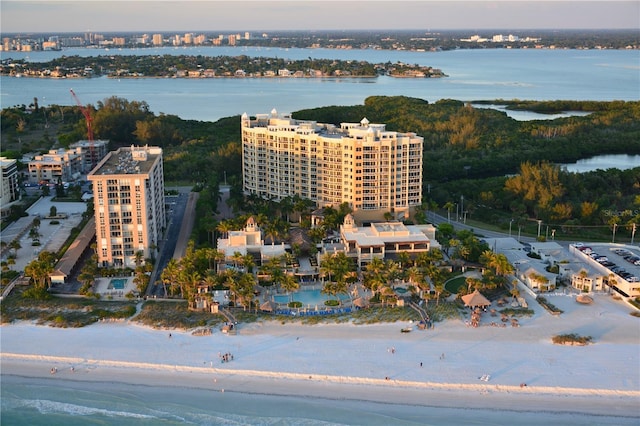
[479,74]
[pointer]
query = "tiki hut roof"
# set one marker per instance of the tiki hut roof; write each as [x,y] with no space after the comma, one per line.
[475,299]
[584,299]
[268,306]
[360,303]
[301,238]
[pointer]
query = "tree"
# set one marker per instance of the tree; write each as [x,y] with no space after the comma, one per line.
[53,211]
[169,275]
[40,268]
[538,184]
[290,285]
[15,246]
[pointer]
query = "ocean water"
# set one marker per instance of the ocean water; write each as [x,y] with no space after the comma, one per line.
[53,402]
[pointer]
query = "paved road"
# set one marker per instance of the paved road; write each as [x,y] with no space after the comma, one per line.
[437,219]
[177,206]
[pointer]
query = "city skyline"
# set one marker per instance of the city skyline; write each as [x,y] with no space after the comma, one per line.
[31,16]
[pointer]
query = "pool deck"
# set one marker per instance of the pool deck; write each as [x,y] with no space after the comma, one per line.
[102,287]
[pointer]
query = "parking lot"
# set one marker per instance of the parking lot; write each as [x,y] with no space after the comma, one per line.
[622,261]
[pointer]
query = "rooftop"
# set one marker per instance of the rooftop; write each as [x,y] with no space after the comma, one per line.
[128,161]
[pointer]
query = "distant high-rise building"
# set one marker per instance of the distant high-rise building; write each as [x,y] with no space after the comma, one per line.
[128,194]
[232,40]
[374,170]
[157,40]
[247,35]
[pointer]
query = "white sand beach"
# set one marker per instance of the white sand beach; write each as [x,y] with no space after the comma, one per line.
[452,365]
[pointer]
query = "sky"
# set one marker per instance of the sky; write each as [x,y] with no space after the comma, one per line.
[26,16]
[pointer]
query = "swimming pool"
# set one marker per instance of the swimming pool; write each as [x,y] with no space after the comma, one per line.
[308,297]
[117,284]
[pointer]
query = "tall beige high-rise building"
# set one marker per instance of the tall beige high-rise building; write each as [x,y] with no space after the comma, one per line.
[128,190]
[374,170]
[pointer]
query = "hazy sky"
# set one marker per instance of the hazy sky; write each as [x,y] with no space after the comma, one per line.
[240,15]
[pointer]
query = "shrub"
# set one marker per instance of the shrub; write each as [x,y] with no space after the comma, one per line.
[332,302]
[571,339]
[295,304]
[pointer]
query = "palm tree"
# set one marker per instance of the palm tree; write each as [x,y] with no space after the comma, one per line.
[248,262]
[449,206]
[138,258]
[40,268]
[245,289]
[290,285]
[403,259]
[224,227]
[15,245]
[237,258]
[170,275]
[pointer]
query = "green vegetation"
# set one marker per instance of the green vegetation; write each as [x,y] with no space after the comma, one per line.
[517,312]
[548,306]
[60,312]
[123,66]
[571,339]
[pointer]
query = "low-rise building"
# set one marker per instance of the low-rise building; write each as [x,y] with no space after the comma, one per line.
[61,164]
[384,240]
[90,152]
[249,241]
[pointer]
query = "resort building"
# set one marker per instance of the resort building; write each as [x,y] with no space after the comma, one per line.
[61,164]
[374,170]
[619,272]
[382,240]
[10,190]
[128,189]
[249,241]
[90,152]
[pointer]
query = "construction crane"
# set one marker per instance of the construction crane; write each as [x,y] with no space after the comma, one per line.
[89,121]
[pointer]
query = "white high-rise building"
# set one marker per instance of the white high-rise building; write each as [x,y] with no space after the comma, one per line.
[128,196]
[374,170]
[10,190]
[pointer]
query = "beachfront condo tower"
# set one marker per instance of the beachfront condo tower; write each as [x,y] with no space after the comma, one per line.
[128,196]
[374,170]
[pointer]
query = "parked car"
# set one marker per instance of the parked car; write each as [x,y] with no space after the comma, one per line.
[602,259]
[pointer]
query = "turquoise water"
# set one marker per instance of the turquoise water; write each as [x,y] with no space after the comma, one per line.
[53,402]
[117,283]
[308,297]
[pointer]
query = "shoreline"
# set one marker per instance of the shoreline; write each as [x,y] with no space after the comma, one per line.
[591,402]
[452,367]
